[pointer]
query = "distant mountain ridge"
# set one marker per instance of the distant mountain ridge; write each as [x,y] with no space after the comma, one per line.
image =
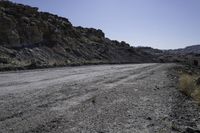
[193,49]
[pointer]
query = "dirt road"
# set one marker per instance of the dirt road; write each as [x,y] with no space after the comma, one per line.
[136,98]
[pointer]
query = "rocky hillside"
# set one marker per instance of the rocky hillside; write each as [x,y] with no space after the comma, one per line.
[182,55]
[32,39]
[194,49]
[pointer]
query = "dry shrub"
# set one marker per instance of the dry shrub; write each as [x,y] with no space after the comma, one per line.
[187,84]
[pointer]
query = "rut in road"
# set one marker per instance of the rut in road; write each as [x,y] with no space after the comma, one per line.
[107,98]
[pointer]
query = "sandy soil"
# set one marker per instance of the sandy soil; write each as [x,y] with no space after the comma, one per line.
[135,98]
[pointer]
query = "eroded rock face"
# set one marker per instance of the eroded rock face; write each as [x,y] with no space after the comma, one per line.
[29,38]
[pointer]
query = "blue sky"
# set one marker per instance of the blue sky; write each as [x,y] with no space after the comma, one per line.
[164,24]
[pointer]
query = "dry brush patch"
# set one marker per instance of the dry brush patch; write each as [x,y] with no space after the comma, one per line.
[189,85]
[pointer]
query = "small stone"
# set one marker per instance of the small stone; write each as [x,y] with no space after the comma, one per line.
[149,118]
[93,101]
[157,87]
[150,125]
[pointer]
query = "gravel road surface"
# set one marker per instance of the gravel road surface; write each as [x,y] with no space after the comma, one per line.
[133,98]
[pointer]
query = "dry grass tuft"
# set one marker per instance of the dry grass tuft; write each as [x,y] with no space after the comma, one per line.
[188,85]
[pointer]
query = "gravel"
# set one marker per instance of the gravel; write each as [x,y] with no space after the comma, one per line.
[132,98]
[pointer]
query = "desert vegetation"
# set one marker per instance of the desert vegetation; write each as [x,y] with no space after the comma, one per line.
[189,83]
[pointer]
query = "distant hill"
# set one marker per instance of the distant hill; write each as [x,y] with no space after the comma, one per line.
[32,39]
[194,49]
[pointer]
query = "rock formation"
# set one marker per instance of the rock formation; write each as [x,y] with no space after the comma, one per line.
[32,39]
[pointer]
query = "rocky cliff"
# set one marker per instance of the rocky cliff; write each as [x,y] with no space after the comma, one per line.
[32,39]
